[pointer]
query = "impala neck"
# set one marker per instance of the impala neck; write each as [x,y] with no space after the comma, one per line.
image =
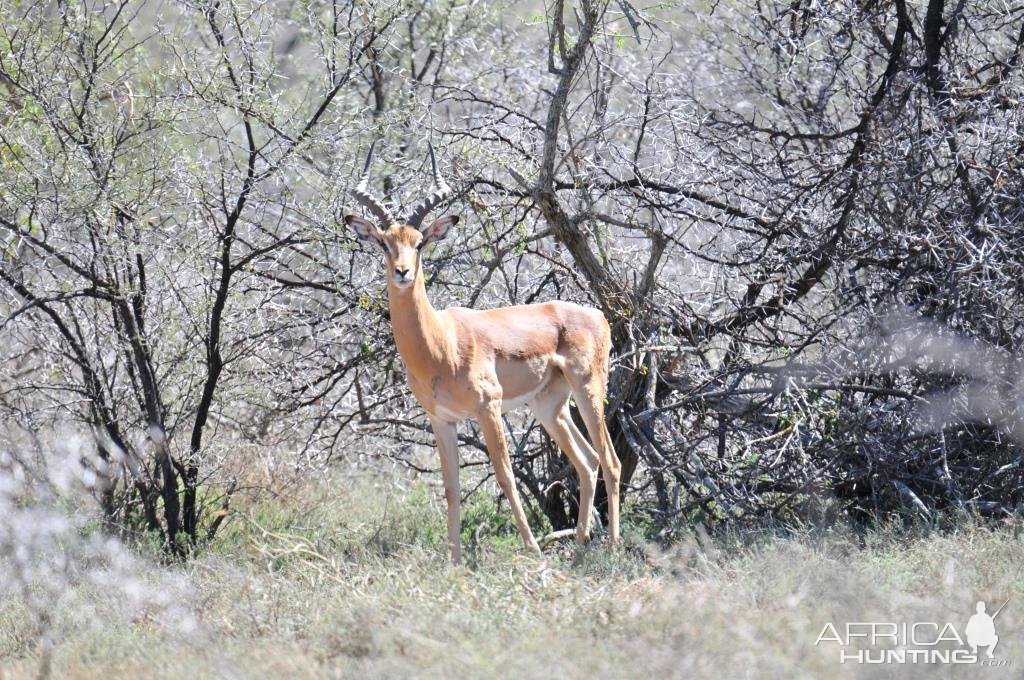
[419,333]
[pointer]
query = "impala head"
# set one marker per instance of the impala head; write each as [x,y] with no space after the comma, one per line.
[402,240]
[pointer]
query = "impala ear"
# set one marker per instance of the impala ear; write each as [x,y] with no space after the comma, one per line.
[438,229]
[365,229]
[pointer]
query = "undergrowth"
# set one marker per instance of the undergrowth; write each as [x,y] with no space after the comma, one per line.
[345,579]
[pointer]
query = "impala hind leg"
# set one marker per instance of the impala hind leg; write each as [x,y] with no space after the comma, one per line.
[589,393]
[497,448]
[551,409]
[448,449]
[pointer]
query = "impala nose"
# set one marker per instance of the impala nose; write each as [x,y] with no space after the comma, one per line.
[401,272]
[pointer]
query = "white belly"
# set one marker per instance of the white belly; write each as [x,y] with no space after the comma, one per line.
[516,402]
[445,413]
[508,404]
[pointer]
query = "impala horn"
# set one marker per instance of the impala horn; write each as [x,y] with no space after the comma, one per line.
[441,193]
[365,198]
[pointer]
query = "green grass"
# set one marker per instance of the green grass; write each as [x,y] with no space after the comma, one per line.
[351,579]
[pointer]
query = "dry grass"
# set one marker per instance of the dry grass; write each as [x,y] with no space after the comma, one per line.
[342,583]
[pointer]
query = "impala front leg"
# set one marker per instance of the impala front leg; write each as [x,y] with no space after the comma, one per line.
[448,449]
[497,448]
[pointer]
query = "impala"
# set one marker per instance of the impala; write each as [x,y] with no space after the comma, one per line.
[465,363]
